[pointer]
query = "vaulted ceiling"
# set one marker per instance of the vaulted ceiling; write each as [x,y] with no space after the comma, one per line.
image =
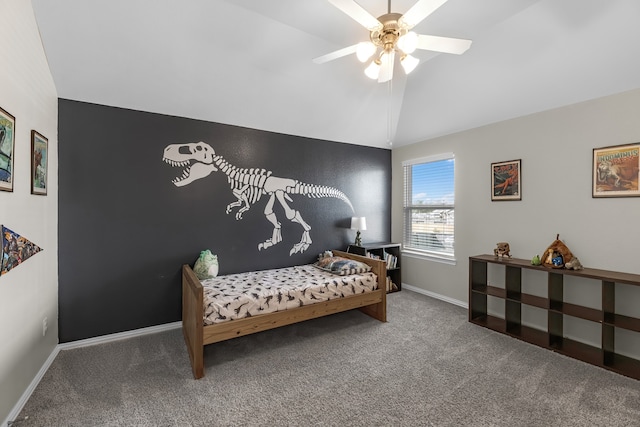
[249,62]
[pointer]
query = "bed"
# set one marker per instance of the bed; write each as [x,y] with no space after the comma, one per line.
[197,334]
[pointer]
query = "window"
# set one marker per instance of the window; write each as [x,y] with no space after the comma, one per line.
[429,206]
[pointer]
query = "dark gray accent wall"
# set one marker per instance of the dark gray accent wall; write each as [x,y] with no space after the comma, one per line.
[125,229]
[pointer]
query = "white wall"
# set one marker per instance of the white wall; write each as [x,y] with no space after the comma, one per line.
[556,151]
[29,292]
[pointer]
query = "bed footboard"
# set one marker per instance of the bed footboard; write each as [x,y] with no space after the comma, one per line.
[192,319]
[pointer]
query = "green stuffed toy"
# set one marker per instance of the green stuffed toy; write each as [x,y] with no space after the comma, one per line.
[206,266]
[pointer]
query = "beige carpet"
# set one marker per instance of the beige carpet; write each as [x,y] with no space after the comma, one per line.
[427,366]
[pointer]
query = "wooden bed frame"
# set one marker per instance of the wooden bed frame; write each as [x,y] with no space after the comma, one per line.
[197,335]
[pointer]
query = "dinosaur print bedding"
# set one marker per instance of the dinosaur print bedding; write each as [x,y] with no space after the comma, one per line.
[236,296]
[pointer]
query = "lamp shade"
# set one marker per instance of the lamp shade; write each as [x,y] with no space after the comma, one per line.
[409,63]
[373,70]
[365,50]
[358,223]
[408,43]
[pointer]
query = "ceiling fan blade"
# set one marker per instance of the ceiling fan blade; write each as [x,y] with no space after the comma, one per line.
[336,54]
[418,12]
[356,12]
[443,44]
[386,66]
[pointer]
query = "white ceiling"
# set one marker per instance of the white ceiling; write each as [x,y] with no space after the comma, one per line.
[249,62]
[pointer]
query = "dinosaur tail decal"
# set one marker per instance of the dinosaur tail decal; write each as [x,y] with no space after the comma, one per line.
[318,191]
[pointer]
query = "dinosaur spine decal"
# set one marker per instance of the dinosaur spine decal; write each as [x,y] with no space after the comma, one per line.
[199,160]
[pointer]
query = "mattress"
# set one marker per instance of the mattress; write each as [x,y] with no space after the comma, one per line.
[236,296]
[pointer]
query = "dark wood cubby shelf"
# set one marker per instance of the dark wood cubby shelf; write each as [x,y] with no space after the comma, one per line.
[380,250]
[553,338]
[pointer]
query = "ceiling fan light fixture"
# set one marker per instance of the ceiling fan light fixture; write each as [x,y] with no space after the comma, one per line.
[365,50]
[408,43]
[391,33]
[373,70]
[409,63]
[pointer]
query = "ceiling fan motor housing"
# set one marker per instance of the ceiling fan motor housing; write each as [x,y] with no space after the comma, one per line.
[387,37]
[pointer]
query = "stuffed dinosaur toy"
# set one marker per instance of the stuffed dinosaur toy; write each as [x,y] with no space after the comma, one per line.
[206,266]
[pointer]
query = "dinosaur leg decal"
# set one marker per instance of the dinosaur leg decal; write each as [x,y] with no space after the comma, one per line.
[294,216]
[305,240]
[276,236]
[242,200]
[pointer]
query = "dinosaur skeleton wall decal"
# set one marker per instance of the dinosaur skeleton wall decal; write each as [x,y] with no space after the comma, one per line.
[248,186]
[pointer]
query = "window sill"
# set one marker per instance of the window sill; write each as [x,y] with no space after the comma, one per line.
[450,260]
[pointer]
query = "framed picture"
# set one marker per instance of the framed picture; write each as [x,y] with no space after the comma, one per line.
[615,171]
[39,157]
[506,180]
[7,144]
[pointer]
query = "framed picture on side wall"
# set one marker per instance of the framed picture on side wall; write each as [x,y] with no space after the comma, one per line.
[7,144]
[506,180]
[615,171]
[39,160]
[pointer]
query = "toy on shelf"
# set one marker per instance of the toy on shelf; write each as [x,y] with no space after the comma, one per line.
[574,264]
[557,254]
[502,250]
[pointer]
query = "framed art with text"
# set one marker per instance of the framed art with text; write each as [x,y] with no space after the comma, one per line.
[39,157]
[506,180]
[7,144]
[615,171]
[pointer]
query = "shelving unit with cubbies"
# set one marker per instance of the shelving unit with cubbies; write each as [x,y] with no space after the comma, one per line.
[389,252]
[554,337]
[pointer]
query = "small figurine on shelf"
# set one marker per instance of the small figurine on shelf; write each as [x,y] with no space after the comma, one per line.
[557,259]
[502,250]
[574,264]
[549,259]
[536,260]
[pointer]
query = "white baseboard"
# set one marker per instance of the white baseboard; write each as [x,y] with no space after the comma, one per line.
[436,296]
[32,386]
[120,336]
[77,344]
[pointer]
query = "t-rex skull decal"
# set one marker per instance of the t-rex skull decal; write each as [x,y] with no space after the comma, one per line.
[196,158]
[248,186]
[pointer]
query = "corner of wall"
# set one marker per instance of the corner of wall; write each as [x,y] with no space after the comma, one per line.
[29,291]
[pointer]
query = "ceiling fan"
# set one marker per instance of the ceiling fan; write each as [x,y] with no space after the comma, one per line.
[390,34]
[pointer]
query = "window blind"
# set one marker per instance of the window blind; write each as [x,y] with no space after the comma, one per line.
[429,204]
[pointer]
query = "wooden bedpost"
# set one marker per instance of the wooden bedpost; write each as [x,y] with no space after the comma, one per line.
[379,267]
[193,319]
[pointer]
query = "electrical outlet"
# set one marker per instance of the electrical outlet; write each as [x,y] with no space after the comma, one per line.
[44,326]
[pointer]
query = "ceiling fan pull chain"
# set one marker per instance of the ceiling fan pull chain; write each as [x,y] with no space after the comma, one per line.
[390,115]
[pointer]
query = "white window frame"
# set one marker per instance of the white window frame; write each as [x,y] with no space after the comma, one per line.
[407,207]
